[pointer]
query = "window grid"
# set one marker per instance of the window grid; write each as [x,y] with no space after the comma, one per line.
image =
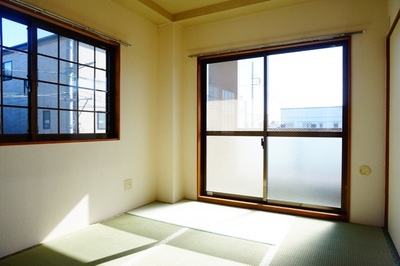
[88,110]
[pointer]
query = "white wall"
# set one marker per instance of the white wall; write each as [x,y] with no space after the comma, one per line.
[169,126]
[49,190]
[368,82]
[394,132]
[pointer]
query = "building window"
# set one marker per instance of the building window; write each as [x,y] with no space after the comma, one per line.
[57,84]
[26,87]
[283,141]
[7,70]
[46,119]
[101,121]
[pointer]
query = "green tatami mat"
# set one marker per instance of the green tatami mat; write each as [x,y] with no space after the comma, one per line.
[259,226]
[224,247]
[133,240]
[317,242]
[98,243]
[136,240]
[142,226]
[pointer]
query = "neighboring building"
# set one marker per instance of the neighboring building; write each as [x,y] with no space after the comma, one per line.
[312,117]
[71,91]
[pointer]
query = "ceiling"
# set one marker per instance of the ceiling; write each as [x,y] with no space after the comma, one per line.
[194,12]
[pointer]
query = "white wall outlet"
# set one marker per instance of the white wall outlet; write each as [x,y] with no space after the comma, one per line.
[128,184]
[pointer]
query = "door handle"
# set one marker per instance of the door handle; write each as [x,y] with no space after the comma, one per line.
[262,142]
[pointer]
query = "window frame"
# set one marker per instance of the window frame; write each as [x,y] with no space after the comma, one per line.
[35,21]
[242,201]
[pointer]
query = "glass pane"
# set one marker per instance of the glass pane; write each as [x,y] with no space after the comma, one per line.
[47,95]
[14,34]
[47,43]
[86,77]
[86,100]
[86,54]
[15,120]
[86,122]
[15,92]
[47,69]
[68,49]
[101,122]
[68,122]
[101,58]
[47,121]
[7,70]
[235,95]
[68,73]
[305,170]
[100,101]
[101,80]
[68,97]
[15,64]
[306,90]
[241,169]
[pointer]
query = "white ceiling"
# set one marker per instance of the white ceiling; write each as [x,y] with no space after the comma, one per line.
[194,12]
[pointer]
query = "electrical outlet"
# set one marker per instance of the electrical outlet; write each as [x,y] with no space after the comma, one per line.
[128,184]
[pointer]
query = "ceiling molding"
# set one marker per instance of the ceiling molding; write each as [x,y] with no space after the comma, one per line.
[157,8]
[197,12]
[220,7]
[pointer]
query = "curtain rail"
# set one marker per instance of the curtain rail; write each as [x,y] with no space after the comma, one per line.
[262,46]
[67,21]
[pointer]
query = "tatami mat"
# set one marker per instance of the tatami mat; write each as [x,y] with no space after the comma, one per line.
[194,233]
[133,240]
[294,240]
[171,256]
[224,247]
[318,242]
[248,224]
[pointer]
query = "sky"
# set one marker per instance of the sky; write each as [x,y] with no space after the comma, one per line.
[311,78]
[15,33]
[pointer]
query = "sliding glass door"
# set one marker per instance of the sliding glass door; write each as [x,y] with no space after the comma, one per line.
[274,126]
[235,127]
[305,126]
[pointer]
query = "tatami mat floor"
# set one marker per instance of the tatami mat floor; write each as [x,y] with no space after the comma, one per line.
[294,240]
[195,233]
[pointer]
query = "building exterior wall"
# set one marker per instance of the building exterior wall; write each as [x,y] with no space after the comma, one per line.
[63,84]
[312,117]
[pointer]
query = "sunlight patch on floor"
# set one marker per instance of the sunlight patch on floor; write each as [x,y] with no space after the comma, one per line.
[168,255]
[97,242]
[252,225]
